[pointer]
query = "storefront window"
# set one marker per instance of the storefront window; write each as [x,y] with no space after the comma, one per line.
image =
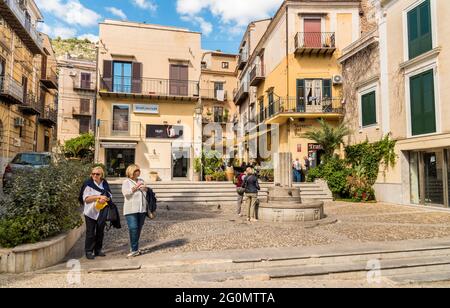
[118,160]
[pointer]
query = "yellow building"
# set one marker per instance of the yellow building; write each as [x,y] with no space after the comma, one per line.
[217,82]
[147,100]
[24,122]
[405,95]
[76,97]
[294,72]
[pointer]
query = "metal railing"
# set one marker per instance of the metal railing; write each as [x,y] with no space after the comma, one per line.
[219,95]
[50,114]
[150,86]
[243,58]
[30,101]
[301,105]
[239,93]
[84,85]
[315,40]
[10,87]
[258,72]
[121,129]
[14,6]
[50,75]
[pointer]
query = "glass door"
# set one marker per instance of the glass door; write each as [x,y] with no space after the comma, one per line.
[180,163]
[433,177]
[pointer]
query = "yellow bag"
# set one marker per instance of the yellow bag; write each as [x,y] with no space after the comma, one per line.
[100,206]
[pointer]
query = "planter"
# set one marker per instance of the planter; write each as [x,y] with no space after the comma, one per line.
[230,174]
[208,178]
[154,177]
[196,177]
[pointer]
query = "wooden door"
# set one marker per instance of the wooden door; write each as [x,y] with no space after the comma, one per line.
[179,76]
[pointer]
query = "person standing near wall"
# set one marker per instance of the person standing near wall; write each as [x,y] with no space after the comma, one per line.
[297,169]
[251,187]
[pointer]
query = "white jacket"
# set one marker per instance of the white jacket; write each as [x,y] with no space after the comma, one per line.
[134,202]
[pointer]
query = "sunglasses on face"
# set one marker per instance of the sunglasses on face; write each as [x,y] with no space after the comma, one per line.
[97,174]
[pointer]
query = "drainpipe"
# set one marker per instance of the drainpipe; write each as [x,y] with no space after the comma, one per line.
[94,113]
[287,77]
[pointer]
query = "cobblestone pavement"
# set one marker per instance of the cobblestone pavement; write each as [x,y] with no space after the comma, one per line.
[180,229]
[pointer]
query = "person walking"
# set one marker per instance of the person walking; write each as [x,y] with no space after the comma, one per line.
[134,207]
[240,192]
[251,186]
[307,166]
[95,195]
[297,167]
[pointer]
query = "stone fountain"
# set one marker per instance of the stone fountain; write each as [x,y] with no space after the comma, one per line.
[284,203]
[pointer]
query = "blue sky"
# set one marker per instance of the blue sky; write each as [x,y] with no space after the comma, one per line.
[222,22]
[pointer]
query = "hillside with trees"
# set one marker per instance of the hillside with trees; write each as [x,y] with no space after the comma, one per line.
[78,49]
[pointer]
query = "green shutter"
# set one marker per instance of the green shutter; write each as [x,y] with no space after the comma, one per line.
[419,30]
[423,113]
[326,88]
[369,109]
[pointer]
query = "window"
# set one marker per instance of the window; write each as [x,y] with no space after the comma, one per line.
[85,105]
[261,109]
[225,65]
[368,109]
[85,81]
[122,77]
[419,30]
[204,66]
[121,118]
[218,114]
[85,124]
[218,91]
[423,113]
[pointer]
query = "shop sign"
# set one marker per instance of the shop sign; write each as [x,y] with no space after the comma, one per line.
[145,108]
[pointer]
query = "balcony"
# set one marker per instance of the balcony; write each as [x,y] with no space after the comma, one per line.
[120,130]
[49,117]
[315,43]
[241,94]
[50,79]
[257,75]
[152,88]
[282,109]
[31,105]
[214,94]
[14,14]
[81,112]
[11,91]
[5,39]
[83,85]
[243,59]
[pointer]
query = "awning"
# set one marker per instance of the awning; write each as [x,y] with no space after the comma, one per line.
[117,145]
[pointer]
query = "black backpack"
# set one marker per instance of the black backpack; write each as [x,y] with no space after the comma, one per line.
[152,202]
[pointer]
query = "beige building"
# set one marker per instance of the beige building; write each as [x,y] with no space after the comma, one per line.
[27,82]
[292,76]
[148,93]
[217,82]
[77,82]
[403,92]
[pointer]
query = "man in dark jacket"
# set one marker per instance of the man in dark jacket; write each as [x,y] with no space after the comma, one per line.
[252,187]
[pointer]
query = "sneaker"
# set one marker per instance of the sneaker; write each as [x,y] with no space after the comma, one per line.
[100,254]
[133,254]
[253,220]
[90,256]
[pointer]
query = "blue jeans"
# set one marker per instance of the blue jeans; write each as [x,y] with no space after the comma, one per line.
[135,223]
[297,176]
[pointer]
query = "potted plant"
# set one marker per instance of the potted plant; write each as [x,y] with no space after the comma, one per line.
[154,176]
[219,176]
[197,169]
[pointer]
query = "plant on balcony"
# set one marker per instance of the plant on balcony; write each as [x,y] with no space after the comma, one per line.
[81,147]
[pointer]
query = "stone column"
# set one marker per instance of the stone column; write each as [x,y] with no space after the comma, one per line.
[283,169]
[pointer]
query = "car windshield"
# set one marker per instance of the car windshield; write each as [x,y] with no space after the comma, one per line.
[32,159]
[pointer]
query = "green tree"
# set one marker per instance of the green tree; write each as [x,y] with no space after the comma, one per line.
[329,137]
[81,147]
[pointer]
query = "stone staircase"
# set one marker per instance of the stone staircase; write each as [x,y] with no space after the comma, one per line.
[214,193]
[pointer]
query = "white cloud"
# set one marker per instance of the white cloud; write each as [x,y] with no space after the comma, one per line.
[58,31]
[237,12]
[117,12]
[205,26]
[146,5]
[70,11]
[92,37]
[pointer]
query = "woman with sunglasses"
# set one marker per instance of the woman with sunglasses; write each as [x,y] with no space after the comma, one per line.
[135,206]
[95,195]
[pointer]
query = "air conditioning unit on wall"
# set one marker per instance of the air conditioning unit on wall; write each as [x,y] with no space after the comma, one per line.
[73,74]
[337,79]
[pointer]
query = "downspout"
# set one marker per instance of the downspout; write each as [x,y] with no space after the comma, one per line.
[94,114]
[287,77]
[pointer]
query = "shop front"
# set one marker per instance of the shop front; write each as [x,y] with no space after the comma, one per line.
[118,156]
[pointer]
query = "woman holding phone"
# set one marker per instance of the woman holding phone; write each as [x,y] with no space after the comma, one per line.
[135,206]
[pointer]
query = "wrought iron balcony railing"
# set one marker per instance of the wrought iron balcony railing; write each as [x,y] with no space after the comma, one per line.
[122,129]
[11,90]
[150,87]
[257,74]
[241,94]
[214,94]
[49,115]
[315,43]
[243,59]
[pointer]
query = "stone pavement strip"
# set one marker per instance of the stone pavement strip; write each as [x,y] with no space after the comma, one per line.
[195,239]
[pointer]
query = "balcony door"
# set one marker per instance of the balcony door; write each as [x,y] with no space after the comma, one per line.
[179,76]
[314,95]
[122,72]
[313,32]
[2,72]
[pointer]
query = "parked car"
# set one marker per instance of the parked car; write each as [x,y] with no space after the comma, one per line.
[25,161]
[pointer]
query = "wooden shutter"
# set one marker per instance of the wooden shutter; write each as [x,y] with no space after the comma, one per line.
[84,125]
[136,82]
[25,88]
[179,76]
[419,30]
[85,105]
[423,113]
[369,109]
[312,35]
[85,80]
[107,75]
[44,67]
